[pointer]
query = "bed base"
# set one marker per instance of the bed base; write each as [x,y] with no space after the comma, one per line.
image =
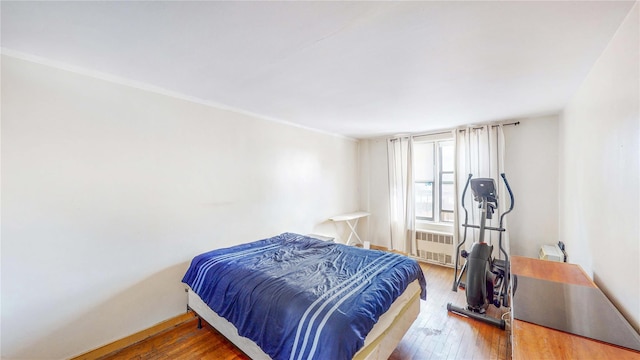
[383,338]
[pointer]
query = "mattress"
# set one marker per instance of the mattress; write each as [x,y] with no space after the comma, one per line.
[379,343]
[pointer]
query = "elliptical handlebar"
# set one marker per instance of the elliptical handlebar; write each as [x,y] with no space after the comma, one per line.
[456,279]
[464,193]
[506,184]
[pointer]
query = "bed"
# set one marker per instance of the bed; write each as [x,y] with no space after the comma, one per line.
[295,297]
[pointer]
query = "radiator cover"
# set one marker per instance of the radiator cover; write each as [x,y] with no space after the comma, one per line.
[435,247]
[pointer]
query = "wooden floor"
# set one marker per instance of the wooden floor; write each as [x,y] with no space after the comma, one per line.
[436,334]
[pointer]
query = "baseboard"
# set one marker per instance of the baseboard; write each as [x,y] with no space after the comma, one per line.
[135,338]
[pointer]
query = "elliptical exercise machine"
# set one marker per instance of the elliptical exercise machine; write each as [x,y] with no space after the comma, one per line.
[488,279]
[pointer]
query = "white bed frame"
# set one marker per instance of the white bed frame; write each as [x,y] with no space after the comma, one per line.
[383,338]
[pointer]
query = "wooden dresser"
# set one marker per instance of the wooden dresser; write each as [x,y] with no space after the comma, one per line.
[531,341]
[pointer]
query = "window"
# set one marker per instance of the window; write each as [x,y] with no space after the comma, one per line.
[434,180]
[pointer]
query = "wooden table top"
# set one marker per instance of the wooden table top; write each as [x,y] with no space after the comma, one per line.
[531,341]
[550,270]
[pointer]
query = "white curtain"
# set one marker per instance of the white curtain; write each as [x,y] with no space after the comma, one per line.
[401,200]
[480,152]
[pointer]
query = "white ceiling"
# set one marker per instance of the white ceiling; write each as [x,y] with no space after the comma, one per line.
[360,69]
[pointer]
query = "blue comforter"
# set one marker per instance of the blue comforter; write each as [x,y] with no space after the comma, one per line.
[299,297]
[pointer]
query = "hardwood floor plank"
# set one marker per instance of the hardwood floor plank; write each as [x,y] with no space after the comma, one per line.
[436,334]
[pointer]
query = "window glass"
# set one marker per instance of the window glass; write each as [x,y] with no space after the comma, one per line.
[447,178]
[423,160]
[448,198]
[447,154]
[424,200]
[434,177]
[446,216]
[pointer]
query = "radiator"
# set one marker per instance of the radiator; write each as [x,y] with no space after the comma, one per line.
[435,247]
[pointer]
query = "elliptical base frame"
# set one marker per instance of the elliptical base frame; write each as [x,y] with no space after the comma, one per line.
[483,317]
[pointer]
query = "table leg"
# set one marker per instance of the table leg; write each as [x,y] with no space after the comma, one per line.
[353,231]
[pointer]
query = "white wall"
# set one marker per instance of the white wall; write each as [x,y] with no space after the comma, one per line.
[531,165]
[108,191]
[600,171]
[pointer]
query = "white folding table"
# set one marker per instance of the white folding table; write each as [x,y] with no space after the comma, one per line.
[352,221]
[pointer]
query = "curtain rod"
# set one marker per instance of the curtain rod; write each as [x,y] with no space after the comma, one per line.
[515,123]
